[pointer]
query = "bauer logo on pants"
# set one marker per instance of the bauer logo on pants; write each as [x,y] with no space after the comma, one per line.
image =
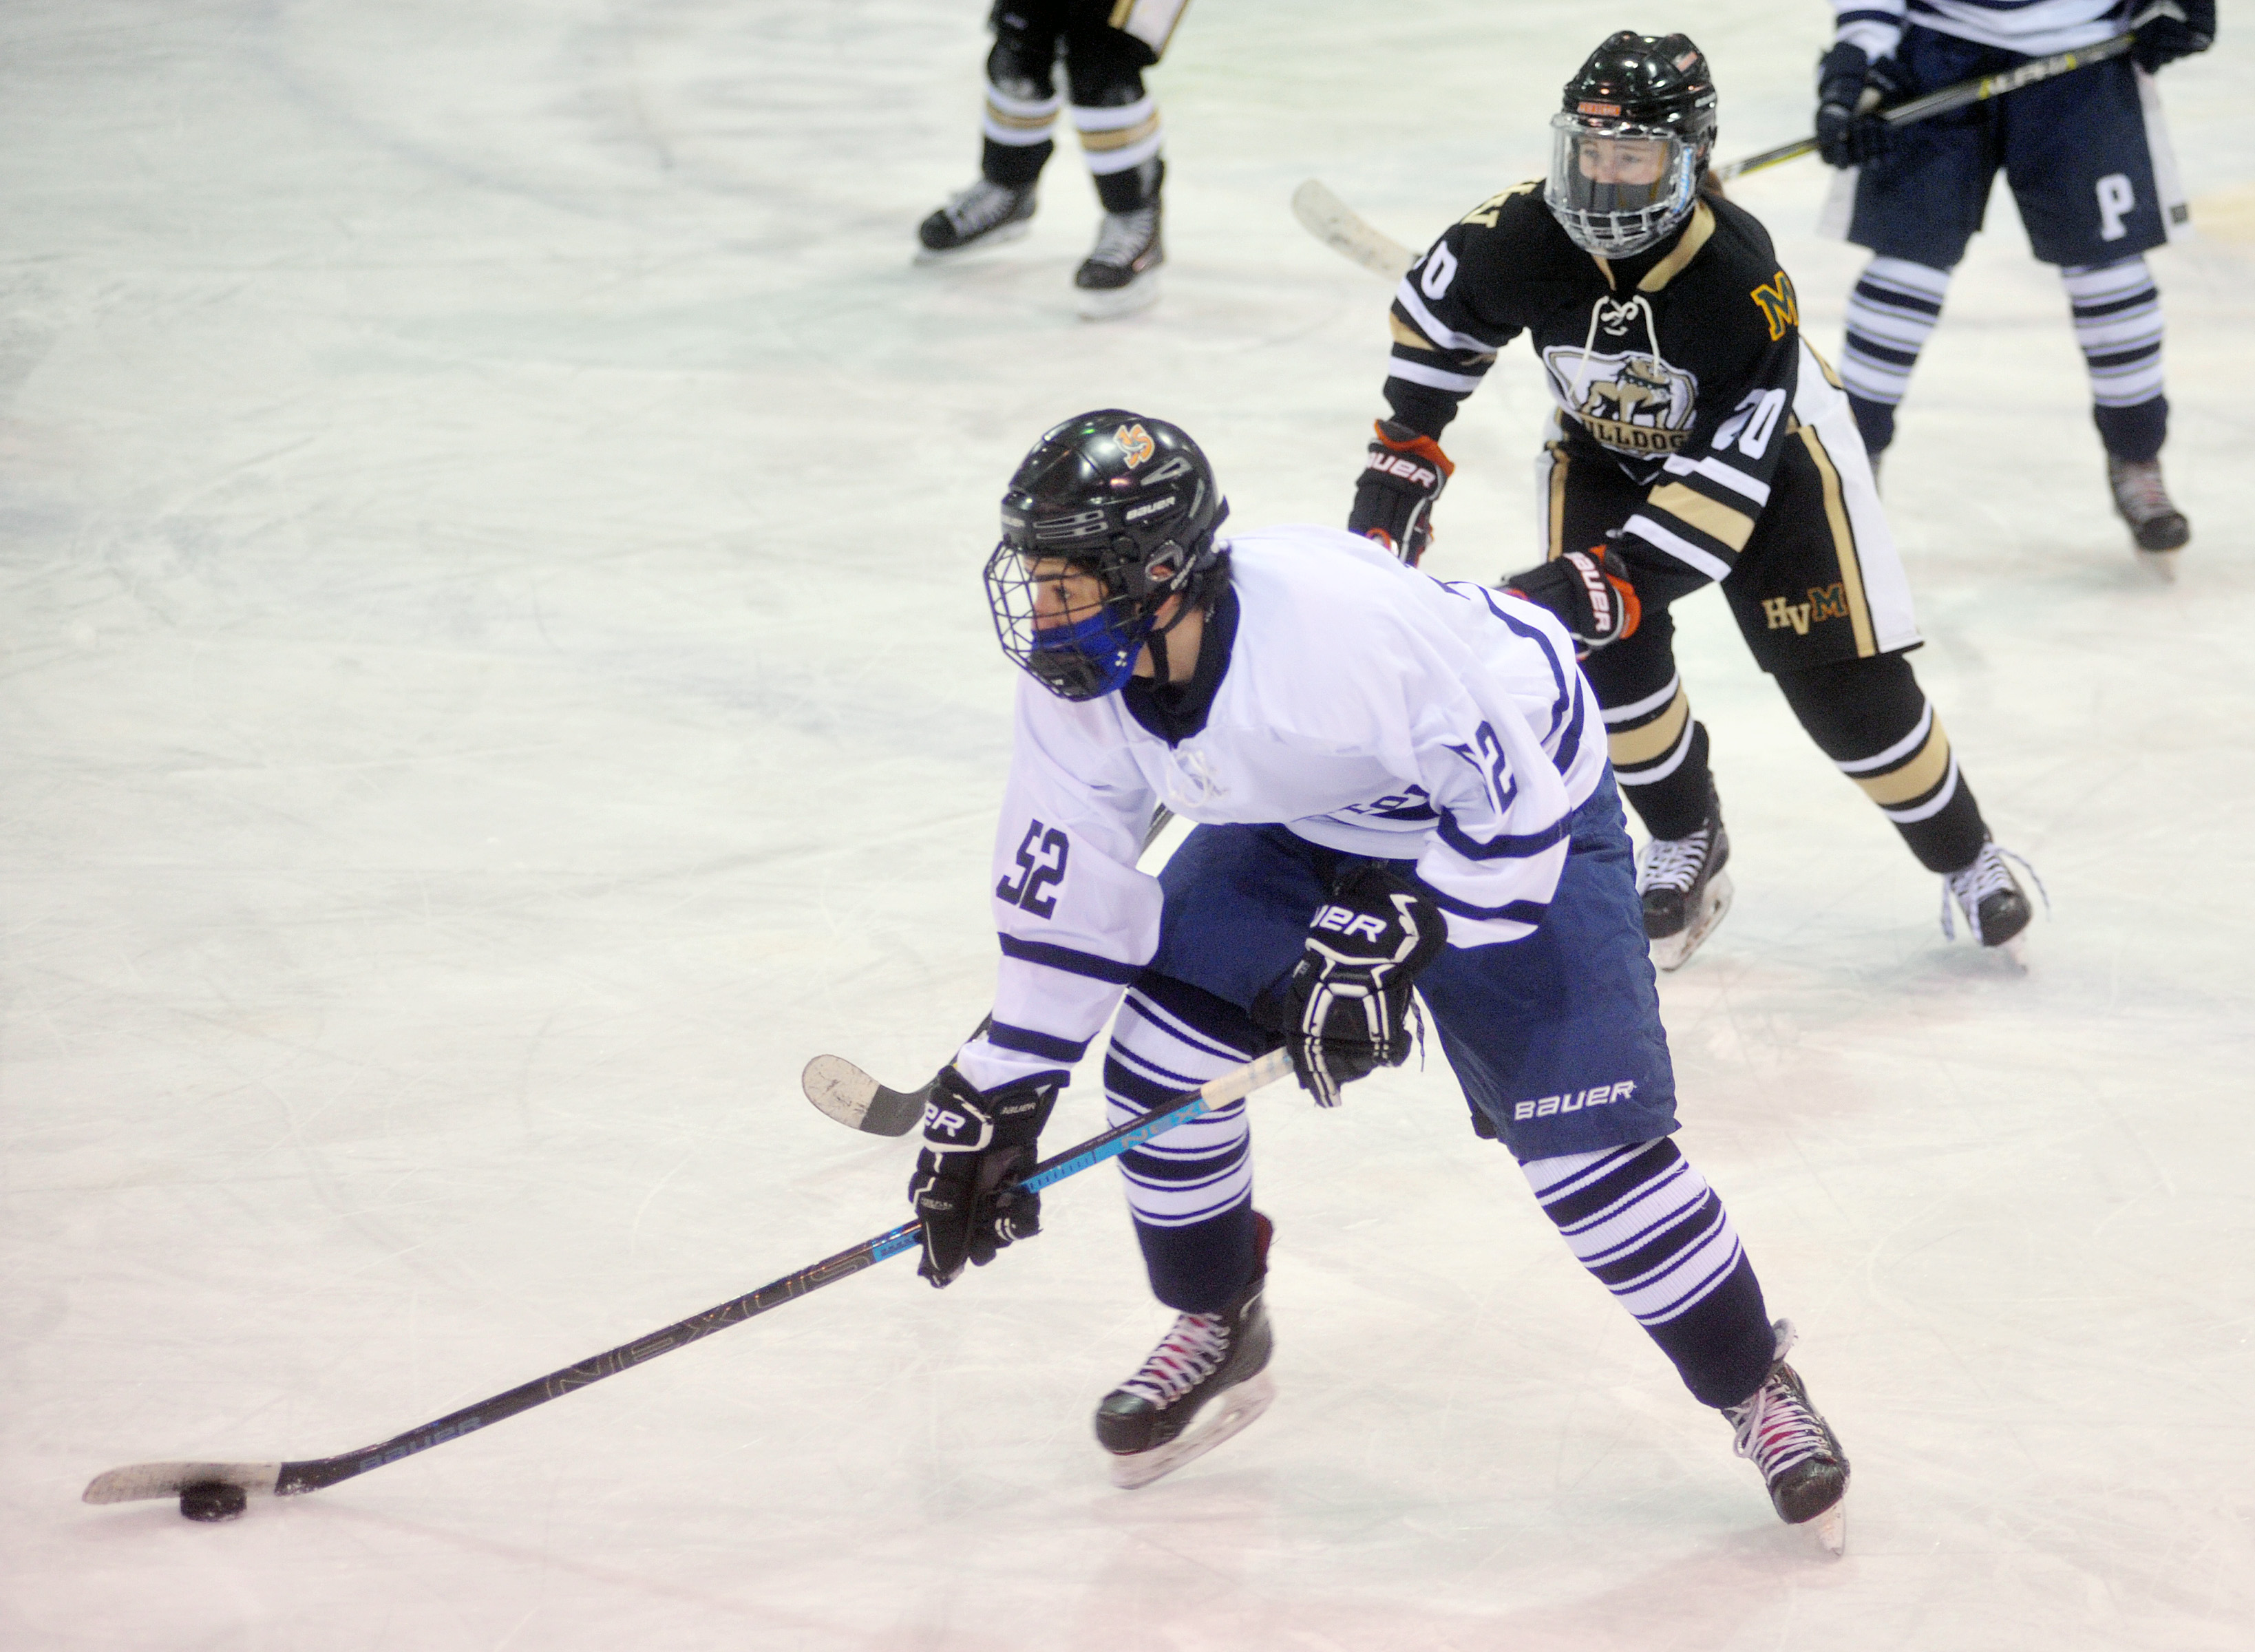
[1574,1100]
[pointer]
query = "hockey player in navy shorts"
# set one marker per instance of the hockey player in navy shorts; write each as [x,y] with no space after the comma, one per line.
[1402,789]
[1105,47]
[2089,164]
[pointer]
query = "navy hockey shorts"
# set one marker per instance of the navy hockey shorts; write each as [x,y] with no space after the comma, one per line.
[1556,1038]
[2074,149]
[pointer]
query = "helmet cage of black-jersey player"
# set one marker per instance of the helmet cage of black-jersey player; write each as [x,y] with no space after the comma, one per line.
[1630,143]
[1127,500]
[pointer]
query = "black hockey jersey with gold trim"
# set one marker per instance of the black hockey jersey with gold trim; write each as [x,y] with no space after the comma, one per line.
[1678,365]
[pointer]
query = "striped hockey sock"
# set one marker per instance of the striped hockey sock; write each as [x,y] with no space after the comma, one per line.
[1647,1225]
[1191,1190]
[1017,131]
[2117,323]
[1892,312]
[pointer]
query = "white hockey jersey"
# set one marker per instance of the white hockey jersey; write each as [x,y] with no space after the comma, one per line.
[2036,27]
[1367,708]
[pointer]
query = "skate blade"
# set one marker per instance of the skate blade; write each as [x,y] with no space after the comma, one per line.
[1672,951]
[1830,1529]
[2159,564]
[1104,304]
[1235,1411]
[1017,231]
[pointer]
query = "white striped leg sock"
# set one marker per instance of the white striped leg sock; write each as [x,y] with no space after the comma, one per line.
[2118,322]
[1196,1171]
[1643,1222]
[1892,312]
[1117,140]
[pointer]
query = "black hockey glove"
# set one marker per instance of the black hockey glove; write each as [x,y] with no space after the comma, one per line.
[2182,28]
[1850,89]
[1393,502]
[976,1142]
[1344,1010]
[1588,590]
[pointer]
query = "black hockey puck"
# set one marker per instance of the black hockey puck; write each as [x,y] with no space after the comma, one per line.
[212,1499]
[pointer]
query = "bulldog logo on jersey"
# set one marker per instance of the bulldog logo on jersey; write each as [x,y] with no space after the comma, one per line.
[1634,402]
[1135,443]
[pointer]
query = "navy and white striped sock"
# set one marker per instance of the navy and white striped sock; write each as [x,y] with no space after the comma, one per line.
[1893,310]
[1647,1225]
[2117,323]
[1191,1190]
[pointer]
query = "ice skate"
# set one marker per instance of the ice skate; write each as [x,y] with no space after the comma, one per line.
[1996,908]
[987,214]
[1798,1456]
[2142,501]
[1205,1382]
[1683,889]
[1121,274]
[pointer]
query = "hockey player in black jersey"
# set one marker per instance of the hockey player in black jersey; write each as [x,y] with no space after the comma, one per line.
[1106,45]
[1697,438]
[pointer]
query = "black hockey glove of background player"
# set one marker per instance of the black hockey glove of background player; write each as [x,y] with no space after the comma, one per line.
[2182,28]
[1402,476]
[1588,590]
[975,1143]
[1344,1010]
[1851,88]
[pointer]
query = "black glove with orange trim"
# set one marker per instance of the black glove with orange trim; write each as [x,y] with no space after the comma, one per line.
[1393,502]
[1588,590]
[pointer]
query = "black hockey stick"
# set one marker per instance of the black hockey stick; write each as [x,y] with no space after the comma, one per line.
[845,1093]
[143,1481]
[1978,90]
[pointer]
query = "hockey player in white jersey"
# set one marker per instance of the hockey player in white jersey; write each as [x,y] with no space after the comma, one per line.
[1401,785]
[2089,164]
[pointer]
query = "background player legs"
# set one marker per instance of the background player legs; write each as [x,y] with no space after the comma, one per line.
[1659,751]
[1892,312]
[1015,133]
[2118,326]
[1121,138]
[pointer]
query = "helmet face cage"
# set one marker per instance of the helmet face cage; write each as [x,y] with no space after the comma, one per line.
[1125,503]
[1617,188]
[1077,652]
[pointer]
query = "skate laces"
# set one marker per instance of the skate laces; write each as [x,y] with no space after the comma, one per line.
[1672,863]
[1987,875]
[981,207]
[1777,1428]
[1124,235]
[2137,488]
[1191,1353]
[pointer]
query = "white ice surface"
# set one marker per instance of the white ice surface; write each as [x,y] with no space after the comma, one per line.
[495,677]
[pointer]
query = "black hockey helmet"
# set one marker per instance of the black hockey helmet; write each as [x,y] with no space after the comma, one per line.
[1113,495]
[1634,133]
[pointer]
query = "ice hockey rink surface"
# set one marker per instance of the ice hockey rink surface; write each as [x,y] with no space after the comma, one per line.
[496,676]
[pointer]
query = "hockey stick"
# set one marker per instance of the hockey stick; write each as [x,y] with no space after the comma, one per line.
[843,1092]
[1978,90]
[142,1480]
[1347,233]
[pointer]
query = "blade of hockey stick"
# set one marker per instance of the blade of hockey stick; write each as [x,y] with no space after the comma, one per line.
[846,1093]
[1344,230]
[1941,101]
[142,1480]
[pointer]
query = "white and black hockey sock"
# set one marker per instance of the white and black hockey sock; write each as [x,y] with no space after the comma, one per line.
[1893,310]
[2117,323]
[1191,1190]
[1647,1225]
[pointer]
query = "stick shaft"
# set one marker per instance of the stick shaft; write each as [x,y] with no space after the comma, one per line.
[1942,99]
[315,1472]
